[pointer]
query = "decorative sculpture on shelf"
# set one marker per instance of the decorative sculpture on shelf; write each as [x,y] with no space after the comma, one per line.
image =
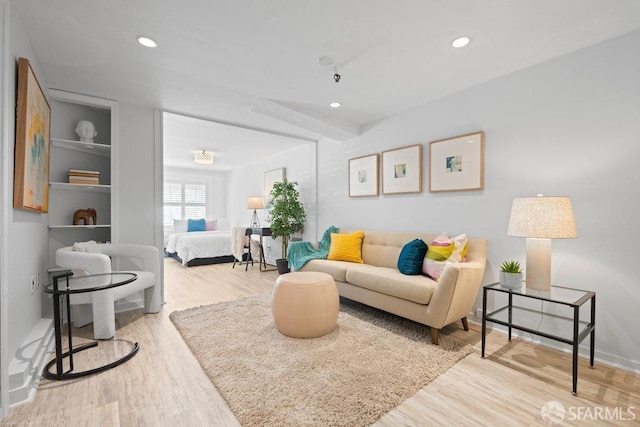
[85,215]
[86,131]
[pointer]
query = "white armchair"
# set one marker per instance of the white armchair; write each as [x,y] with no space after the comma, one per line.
[99,306]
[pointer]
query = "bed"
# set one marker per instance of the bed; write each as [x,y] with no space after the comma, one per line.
[200,247]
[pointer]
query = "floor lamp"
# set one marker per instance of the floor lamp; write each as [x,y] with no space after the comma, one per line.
[254,203]
[541,219]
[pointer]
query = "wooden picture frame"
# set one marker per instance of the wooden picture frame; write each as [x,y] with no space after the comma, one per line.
[364,175]
[457,163]
[33,127]
[402,170]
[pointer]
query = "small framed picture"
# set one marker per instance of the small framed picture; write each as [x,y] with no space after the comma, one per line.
[402,170]
[457,164]
[363,176]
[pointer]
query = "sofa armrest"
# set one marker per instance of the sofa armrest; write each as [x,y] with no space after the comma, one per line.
[455,293]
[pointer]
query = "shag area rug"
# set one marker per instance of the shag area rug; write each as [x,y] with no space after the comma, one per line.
[368,365]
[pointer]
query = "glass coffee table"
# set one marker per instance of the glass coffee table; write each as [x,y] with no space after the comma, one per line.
[63,286]
[567,329]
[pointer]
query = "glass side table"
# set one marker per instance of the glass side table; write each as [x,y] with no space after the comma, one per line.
[569,330]
[64,286]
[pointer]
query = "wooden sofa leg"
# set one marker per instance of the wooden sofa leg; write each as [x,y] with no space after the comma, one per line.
[465,325]
[434,336]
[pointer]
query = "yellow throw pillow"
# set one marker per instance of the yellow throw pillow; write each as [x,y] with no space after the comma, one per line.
[346,247]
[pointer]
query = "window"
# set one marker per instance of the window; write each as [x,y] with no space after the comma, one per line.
[183,200]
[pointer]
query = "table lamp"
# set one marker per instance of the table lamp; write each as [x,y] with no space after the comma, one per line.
[541,219]
[255,202]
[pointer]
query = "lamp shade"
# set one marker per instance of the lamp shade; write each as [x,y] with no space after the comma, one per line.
[255,202]
[203,157]
[543,218]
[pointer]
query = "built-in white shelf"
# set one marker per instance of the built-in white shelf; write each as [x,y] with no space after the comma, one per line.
[80,187]
[56,227]
[85,147]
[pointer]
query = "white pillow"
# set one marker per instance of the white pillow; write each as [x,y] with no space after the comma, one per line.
[180,225]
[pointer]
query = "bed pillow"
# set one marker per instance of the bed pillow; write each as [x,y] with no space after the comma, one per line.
[179,225]
[412,257]
[196,225]
[211,224]
[346,247]
[444,249]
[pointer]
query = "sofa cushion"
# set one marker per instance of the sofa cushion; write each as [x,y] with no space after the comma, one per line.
[412,257]
[337,269]
[346,247]
[390,281]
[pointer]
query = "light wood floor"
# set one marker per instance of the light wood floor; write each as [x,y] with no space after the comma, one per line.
[163,385]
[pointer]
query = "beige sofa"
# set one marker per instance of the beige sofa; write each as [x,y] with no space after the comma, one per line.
[378,283]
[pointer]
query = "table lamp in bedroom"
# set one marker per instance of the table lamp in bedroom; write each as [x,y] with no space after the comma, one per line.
[255,202]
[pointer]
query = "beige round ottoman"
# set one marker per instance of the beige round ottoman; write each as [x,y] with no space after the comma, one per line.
[305,304]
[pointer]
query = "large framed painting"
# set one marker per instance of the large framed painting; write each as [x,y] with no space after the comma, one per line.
[457,163]
[363,176]
[402,170]
[33,125]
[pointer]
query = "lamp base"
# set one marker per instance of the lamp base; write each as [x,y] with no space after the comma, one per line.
[538,275]
[255,222]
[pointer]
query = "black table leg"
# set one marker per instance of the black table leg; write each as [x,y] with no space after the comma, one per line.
[592,335]
[484,320]
[510,313]
[576,320]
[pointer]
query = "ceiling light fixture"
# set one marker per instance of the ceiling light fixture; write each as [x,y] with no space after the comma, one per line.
[335,105]
[460,42]
[146,41]
[203,157]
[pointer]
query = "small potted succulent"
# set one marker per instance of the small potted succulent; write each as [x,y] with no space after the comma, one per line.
[511,275]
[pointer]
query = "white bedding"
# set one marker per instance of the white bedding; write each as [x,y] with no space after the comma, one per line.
[199,244]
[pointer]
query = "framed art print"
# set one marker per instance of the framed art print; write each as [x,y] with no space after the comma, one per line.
[33,124]
[457,164]
[402,170]
[363,176]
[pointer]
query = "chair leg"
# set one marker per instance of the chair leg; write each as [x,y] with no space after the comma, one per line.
[434,335]
[465,325]
[249,258]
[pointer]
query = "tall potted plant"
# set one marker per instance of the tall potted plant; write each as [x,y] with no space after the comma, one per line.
[287,216]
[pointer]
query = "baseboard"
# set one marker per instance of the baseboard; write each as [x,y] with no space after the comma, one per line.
[25,369]
[583,350]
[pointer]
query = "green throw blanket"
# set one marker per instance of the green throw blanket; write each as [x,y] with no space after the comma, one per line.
[300,253]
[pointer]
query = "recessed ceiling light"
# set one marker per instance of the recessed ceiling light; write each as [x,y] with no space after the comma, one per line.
[146,41]
[460,42]
[335,105]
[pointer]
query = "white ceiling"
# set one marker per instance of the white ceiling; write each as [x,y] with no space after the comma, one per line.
[254,62]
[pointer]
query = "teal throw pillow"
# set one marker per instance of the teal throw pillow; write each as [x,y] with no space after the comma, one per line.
[197,225]
[412,257]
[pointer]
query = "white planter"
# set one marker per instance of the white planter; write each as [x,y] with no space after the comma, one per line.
[511,280]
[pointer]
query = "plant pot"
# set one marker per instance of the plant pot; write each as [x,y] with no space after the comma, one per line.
[511,280]
[283,266]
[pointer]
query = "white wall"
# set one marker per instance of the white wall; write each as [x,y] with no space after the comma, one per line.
[569,126]
[24,253]
[135,215]
[300,164]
